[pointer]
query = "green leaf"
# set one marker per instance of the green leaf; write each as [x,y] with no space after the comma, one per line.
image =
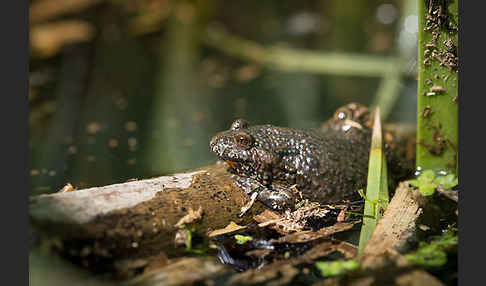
[376,196]
[287,255]
[427,182]
[433,255]
[427,176]
[447,182]
[428,257]
[427,188]
[189,237]
[362,194]
[334,268]
[414,183]
[242,239]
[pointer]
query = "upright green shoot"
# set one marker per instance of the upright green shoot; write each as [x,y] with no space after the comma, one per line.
[376,198]
[437,85]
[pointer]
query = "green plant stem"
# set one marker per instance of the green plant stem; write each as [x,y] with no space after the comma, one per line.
[437,110]
[376,198]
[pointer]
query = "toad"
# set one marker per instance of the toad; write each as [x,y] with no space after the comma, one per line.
[284,165]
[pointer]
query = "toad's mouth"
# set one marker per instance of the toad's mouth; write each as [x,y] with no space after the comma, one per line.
[240,169]
[231,164]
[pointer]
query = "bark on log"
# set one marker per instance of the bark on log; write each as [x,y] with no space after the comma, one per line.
[138,218]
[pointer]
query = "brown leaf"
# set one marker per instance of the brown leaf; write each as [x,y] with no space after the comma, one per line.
[232,226]
[306,236]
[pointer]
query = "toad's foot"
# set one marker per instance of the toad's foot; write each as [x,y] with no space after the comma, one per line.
[275,197]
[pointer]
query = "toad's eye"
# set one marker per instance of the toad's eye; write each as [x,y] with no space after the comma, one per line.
[243,140]
[352,111]
[342,114]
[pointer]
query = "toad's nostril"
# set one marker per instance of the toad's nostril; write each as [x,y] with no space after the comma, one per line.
[213,145]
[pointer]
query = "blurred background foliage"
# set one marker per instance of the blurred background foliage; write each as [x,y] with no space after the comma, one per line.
[123,89]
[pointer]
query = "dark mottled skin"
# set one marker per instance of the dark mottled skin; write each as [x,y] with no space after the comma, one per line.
[284,165]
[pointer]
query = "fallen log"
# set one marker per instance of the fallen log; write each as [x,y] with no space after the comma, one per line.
[139,218]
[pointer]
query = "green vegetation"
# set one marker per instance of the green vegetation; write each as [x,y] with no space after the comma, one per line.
[428,181]
[189,232]
[376,197]
[339,267]
[437,86]
[433,254]
[242,239]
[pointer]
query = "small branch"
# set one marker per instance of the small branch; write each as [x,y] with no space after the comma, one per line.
[297,60]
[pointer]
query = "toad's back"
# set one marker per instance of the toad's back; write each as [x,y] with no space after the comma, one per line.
[325,167]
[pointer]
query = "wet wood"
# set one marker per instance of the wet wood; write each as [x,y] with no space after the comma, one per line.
[139,218]
[184,271]
[282,272]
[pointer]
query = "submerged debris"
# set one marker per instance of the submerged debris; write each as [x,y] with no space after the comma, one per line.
[280,236]
[283,271]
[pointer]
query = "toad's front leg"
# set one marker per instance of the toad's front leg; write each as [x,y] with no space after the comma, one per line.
[274,196]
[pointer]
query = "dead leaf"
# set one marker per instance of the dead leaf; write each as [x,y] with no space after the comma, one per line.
[306,236]
[267,217]
[292,221]
[232,226]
